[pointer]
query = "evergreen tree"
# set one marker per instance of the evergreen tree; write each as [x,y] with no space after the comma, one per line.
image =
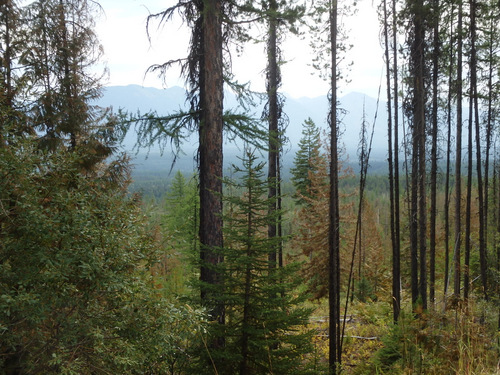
[304,160]
[261,307]
[61,50]
[77,292]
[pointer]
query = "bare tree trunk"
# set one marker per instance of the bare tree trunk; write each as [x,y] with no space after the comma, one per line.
[458,158]
[418,196]
[397,249]
[482,213]
[468,202]
[395,258]
[273,114]
[333,235]
[210,159]
[448,163]
[434,152]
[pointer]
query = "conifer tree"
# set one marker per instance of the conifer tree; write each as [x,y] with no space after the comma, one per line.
[62,48]
[304,160]
[261,320]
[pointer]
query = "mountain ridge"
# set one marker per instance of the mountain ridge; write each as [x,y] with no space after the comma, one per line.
[133,98]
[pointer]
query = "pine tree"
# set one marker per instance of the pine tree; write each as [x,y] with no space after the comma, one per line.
[304,160]
[61,50]
[261,307]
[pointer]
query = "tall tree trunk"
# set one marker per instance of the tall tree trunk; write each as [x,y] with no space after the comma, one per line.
[418,201]
[458,158]
[482,213]
[273,114]
[434,135]
[333,233]
[489,126]
[468,202]
[396,262]
[395,265]
[210,158]
[448,166]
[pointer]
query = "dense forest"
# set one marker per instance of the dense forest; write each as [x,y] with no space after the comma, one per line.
[242,270]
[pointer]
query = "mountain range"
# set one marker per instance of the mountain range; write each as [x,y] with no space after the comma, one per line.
[355,107]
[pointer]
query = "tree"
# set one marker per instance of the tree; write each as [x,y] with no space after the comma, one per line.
[85,301]
[304,160]
[458,156]
[261,320]
[277,14]
[61,50]
[393,151]
[204,73]
[206,70]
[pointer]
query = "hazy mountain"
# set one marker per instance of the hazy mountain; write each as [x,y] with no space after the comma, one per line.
[135,98]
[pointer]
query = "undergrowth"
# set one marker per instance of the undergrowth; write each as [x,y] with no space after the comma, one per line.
[461,340]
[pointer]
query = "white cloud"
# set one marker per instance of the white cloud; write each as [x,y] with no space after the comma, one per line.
[122,30]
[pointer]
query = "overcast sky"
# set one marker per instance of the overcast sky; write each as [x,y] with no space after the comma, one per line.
[128,53]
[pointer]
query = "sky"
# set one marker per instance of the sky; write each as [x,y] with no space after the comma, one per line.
[128,52]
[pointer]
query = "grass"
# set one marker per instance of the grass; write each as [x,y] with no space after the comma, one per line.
[462,340]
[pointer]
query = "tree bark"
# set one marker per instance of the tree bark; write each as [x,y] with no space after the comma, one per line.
[210,158]
[273,114]
[458,159]
[434,135]
[333,233]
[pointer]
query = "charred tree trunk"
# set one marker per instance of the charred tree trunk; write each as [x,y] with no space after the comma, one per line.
[396,283]
[458,159]
[482,213]
[468,202]
[434,135]
[334,216]
[448,167]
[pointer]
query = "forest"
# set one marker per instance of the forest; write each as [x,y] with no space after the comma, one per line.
[335,270]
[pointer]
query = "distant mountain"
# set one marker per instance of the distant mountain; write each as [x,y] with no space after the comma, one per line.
[135,98]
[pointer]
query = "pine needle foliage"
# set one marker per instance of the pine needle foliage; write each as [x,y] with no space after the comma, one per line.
[263,316]
[307,154]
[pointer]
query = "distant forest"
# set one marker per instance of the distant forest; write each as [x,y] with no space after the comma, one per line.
[254,261]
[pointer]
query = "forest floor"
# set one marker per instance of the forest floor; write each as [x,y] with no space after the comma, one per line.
[460,340]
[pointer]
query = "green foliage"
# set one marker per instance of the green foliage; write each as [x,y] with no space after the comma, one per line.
[305,160]
[179,220]
[262,308]
[363,291]
[76,293]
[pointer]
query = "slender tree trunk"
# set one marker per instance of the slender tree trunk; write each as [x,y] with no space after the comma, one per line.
[448,167]
[333,235]
[482,213]
[395,265]
[245,324]
[458,159]
[498,236]
[468,202]
[6,13]
[397,249]
[489,131]
[210,159]
[273,114]
[418,201]
[434,152]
